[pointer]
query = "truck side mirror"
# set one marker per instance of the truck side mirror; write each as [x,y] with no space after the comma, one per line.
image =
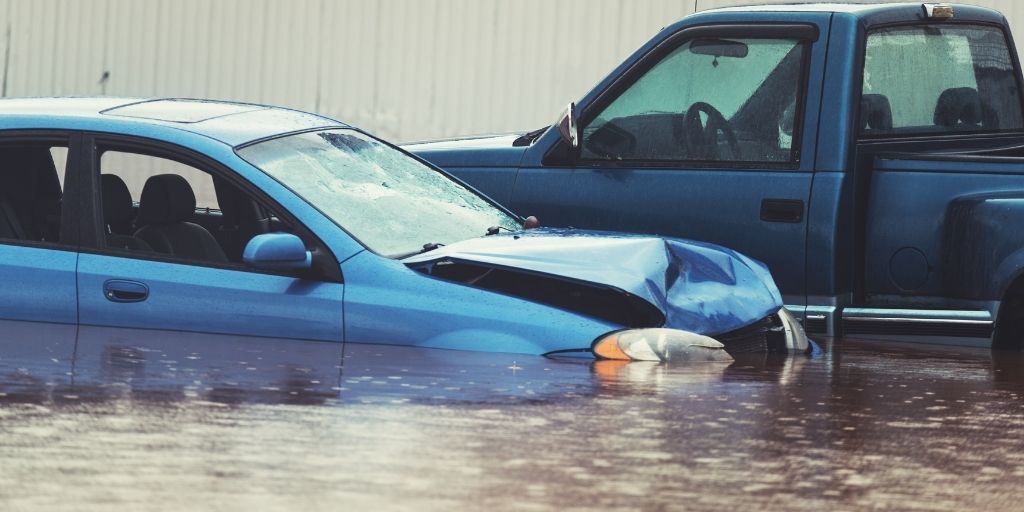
[567,128]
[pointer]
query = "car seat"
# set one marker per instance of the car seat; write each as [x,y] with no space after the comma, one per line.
[166,205]
[961,107]
[875,113]
[31,194]
[118,213]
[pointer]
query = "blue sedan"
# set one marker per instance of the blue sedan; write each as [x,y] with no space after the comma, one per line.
[215,217]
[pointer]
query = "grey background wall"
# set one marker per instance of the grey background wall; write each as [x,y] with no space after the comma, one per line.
[404,69]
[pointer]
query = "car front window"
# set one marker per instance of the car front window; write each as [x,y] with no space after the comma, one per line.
[389,201]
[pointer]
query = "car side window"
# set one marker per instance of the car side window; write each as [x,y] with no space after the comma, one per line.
[31,191]
[165,207]
[717,100]
[135,169]
[928,79]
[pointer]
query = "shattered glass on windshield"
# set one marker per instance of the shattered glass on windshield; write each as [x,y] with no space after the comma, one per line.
[390,202]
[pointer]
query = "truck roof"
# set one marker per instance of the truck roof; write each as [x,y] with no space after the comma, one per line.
[870,14]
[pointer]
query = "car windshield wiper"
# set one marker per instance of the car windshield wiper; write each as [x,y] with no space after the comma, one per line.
[527,138]
[494,230]
[426,248]
[429,247]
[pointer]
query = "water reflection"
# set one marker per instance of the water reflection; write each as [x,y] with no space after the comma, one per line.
[103,418]
[44,362]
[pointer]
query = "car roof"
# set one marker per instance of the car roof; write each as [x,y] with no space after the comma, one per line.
[233,123]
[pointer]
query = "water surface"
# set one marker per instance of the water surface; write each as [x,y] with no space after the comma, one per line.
[132,420]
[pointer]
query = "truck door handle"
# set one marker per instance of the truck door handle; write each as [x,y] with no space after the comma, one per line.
[782,210]
[119,290]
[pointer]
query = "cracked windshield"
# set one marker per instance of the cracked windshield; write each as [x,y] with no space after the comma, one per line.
[392,203]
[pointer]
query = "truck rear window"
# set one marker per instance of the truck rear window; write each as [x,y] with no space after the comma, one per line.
[928,79]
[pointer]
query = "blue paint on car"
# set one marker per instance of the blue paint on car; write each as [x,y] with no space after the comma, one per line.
[385,233]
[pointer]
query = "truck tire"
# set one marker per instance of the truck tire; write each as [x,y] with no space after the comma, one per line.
[1009,331]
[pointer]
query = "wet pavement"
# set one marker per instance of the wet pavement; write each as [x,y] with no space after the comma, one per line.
[110,419]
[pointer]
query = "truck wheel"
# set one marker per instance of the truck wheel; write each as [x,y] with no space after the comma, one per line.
[1009,333]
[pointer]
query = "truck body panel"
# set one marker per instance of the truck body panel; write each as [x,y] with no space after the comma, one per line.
[884,205]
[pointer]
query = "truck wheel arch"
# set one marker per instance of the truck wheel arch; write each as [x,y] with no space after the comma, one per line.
[1009,326]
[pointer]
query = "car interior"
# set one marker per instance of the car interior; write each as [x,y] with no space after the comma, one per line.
[701,132]
[957,109]
[30,194]
[165,219]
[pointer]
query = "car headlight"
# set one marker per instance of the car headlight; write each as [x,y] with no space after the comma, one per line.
[658,344]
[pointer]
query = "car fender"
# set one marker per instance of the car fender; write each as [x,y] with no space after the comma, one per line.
[389,303]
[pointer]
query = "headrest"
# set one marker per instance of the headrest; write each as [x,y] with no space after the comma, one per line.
[166,198]
[117,203]
[959,105]
[875,112]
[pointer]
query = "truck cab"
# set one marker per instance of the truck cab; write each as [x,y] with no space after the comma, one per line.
[868,154]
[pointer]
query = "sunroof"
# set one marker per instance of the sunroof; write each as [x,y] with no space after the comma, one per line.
[180,111]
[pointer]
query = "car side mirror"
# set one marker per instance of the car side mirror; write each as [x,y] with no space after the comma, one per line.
[277,251]
[567,127]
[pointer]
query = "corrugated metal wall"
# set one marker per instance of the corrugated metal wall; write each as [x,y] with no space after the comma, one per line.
[404,69]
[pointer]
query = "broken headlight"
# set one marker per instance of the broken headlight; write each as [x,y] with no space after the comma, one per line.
[658,344]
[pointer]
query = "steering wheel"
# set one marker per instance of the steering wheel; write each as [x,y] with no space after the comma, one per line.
[701,141]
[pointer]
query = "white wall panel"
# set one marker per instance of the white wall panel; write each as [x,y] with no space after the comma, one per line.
[405,69]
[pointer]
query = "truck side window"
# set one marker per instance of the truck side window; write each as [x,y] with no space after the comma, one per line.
[708,100]
[927,79]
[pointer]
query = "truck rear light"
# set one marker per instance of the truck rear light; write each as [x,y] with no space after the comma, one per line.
[938,11]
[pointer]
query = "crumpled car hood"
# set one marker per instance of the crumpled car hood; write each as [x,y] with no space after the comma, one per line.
[698,287]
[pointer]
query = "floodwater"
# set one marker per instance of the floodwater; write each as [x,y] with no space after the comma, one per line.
[101,419]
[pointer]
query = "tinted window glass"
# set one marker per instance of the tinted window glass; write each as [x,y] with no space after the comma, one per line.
[31,191]
[709,100]
[935,79]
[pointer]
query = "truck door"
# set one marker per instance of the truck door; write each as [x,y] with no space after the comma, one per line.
[708,136]
[932,87]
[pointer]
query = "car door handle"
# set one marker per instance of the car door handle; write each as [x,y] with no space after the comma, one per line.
[119,290]
[782,210]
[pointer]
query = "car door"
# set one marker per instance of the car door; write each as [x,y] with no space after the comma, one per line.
[38,226]
[703,137]
[149,266]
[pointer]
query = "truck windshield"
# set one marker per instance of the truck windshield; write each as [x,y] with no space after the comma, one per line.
[931,79]
[393,204]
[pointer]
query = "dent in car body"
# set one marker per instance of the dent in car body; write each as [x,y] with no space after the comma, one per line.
[697,287]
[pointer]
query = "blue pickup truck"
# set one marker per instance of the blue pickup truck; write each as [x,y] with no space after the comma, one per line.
[869,154]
